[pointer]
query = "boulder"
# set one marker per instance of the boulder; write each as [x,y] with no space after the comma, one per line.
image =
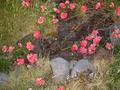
[3,78]
[60,68]
[82,66]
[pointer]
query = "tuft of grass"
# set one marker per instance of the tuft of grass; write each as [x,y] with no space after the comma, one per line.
[26,78]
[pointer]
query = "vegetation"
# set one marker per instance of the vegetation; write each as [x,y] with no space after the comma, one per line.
[17,21]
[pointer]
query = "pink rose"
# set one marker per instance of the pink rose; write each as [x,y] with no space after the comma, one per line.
[36,34]
[98,5]
[83,8]
[74,48]
[61,88]
[26,3]
[118,35]
[40,81]
[43,8]
[72,6]
[5,49]
[118,10]
[62,5]
[83,43]
[108,46]
[20,61]
[83,50]
[94,33]
[67,2]
[88,38]
[54,20]
[63,15]
[30,46]
[32,58]
[41,20]
[93,47]
[56,10]
[112,5]
[90,51]
[114,35]
[20,45]
[10,49]
[97,40]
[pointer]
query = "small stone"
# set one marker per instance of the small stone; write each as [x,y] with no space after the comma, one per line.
[60,68]
[3,78]
[82,66]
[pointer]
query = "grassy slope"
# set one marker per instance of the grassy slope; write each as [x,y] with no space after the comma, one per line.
[16,21]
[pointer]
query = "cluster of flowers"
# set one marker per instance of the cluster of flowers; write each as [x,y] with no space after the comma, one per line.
[61,10]
[7,49]
[26,3]
[116,33]
[99,5]
[32,57]
[89,44]
[41,19]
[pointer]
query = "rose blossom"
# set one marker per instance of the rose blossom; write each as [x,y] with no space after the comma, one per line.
[56,10]
[98,5]
[97,40]
[74,48]
[94,33]
[32,58]
[108,46]
[83,43]
[83,8]
[29,46]
[83,50]
[63,15]
[92,49]
[54,20]
[10,49]
[118,10]
[4,49]
[26,3]
[62,5]
[72,6]
[42,8]
[112,4]
[67,2]
[41,20]
[36,34]
[88,38]
[20,61]
[20,45]
[40,81]
[61,88]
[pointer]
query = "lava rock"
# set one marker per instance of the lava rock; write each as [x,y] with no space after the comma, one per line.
[82,66]
[3,78]
[60,68]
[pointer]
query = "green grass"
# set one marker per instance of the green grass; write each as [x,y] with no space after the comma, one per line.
[27,77]
[15,21]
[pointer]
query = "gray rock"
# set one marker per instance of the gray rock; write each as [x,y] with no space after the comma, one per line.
[60,68]
[3,78]
[81,66]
